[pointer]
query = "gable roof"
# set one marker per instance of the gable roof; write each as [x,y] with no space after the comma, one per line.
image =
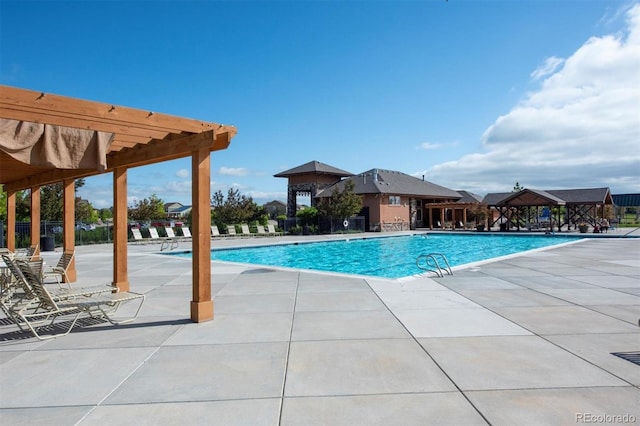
[566,196]
[531,197]
[626,200]
[379,181]
[469,197]
[584,195]
[314,167]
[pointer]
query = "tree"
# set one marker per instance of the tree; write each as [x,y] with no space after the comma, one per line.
[147,209]
[342,204]
[85,211]
[236,208]
[105,214]
[52,198]
[3,204]
[308,216]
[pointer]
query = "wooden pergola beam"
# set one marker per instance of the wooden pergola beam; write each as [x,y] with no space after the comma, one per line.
[48,177]
[40,107]
[165,150]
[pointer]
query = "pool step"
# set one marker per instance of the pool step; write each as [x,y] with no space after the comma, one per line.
[431,262]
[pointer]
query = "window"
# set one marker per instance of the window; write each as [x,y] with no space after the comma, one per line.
[394,200]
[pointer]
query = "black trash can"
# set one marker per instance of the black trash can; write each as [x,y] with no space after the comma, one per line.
[503,227]
[47,244]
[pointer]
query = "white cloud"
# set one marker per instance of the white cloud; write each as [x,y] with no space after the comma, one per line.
[579,129]
[429,146]
[549,66]
[232,171]
[183,173]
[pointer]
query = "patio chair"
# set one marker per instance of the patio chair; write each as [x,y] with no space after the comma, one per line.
[171,241]
[246,232]
[96,305]
[186,232]
[261,231]
[59,272]
[231,230]
[215,232]
[19,282]
[137,236]
[21,303]
[272,230]
[31,253]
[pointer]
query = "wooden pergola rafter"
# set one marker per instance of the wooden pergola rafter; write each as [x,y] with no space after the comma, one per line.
[139,138]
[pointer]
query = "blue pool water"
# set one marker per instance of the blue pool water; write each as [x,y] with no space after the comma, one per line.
[389,257]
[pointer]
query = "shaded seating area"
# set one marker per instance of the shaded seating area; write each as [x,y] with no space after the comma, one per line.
[31,306]
[548,210]
[49,139]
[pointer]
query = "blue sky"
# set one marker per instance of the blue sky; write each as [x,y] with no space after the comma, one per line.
[474,95]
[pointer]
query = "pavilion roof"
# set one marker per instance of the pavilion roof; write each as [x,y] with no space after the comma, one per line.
[137,137]
[555,196]
[315,167]
[626,200]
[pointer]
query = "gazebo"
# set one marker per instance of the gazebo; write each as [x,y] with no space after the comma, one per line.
[46,138]
[522,208]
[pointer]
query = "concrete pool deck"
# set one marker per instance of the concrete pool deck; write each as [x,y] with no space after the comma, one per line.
[524,340]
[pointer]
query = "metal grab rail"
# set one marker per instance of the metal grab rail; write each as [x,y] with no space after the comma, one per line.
[431,264]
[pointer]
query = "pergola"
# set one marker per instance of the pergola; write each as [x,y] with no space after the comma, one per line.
[46,138]
[517,207]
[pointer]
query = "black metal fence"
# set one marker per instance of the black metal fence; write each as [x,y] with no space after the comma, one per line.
[51,234]
[294,226]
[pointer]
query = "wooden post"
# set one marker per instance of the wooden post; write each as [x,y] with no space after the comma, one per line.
[69,220]
[120,228]
[35,218]
[201,305]
[11,220]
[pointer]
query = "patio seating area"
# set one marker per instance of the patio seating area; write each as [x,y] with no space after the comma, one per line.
[525,340]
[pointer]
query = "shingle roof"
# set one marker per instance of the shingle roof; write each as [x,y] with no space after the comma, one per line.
[626,200]
[533,197]
[583,195]
[469,197]
[379,181]
[314,167]
[569,196]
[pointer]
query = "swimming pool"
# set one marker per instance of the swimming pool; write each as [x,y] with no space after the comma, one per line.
[388,257]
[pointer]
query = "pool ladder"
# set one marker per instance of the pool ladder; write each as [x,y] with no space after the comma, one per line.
[431,263]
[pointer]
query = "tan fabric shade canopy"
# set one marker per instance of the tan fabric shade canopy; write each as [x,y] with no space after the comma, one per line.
[139,137]
[46,138]
[48,146]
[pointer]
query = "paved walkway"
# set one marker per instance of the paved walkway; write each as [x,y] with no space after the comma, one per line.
[524,340]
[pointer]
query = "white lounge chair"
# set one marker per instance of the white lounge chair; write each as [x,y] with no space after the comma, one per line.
[231,230]
[261,231]
[96,305]
[171,241]
[245,231]
[59,272]
[272,230]
[137,236]
[186,232]
[22,301]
